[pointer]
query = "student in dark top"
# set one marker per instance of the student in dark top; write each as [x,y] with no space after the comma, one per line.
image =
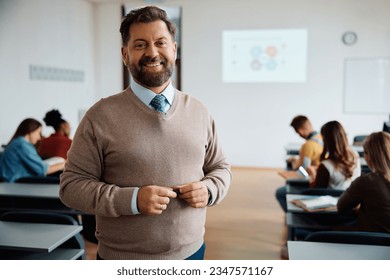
[57,144]
[369,195]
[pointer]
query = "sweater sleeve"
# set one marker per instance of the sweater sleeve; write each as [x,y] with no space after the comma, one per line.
[351,197]
[216,169]
[80,185]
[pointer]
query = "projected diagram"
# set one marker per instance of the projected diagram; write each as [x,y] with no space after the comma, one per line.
[264,55]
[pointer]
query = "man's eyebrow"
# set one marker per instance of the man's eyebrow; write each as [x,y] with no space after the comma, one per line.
[139,40]
[144,40]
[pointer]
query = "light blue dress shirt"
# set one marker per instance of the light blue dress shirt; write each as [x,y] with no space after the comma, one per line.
[146,95]
[20,159]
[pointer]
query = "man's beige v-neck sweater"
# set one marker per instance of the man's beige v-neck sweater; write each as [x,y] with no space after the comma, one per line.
[122,144]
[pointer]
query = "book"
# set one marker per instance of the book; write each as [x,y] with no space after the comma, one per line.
[53,160]
[318,203]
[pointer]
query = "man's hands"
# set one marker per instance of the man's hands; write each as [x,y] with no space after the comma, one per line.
[153,200]
[195,194]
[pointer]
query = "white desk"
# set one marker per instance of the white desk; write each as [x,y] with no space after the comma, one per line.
[31,196]
[57,254]
[30,190]
[35,236]
[305,250]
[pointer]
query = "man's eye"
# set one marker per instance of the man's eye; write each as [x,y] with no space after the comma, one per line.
[161,43]
[139,46]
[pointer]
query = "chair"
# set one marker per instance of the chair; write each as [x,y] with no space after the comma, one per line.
[88,221]
[322,191]
[358,140]
[89,227]
[326,221]
[75,242]
[39,180]
[350,237]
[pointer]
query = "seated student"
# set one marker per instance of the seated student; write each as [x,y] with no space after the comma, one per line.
[309,153]
[312,148]
[57,144]
[340,165]
[369,195]
[20,158]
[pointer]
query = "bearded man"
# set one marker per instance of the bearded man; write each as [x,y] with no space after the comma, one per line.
[147,161]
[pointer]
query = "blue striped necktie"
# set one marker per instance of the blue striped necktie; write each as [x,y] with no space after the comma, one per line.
[158,102]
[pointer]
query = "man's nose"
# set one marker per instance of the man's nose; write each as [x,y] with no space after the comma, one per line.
[151,51]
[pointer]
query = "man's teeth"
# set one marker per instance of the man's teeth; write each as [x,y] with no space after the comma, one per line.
[152,64]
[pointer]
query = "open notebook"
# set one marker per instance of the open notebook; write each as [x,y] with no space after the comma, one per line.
[319,203]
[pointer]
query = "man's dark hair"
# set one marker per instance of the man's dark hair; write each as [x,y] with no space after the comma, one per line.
[146,14]
[298,122]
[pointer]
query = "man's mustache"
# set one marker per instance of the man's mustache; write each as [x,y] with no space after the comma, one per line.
[148,59]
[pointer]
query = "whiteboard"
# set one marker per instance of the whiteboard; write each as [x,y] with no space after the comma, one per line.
[367,85]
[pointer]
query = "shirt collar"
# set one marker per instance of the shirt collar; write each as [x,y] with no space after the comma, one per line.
[146,95]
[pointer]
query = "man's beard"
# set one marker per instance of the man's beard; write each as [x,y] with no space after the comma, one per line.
[151,79]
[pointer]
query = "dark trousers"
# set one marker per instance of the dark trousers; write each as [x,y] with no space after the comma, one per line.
[281,197]
[198,255]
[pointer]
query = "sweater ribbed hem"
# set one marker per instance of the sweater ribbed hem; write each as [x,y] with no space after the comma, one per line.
[108,253]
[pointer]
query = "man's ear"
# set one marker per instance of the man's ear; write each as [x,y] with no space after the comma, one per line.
[124,56]
[175,49]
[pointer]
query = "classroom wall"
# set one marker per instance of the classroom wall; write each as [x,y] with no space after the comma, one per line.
[252,119]
[50,33]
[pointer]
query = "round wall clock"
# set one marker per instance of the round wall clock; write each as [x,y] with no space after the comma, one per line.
[349,38]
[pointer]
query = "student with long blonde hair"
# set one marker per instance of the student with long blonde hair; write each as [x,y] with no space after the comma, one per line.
[369,195]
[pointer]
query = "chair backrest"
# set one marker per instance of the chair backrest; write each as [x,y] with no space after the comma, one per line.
[322,191]
[350,237]
[358,140]
[39,180]
[75,242]
[1,155]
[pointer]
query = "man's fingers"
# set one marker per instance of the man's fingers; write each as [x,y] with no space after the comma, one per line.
[153,200]
[166,192]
